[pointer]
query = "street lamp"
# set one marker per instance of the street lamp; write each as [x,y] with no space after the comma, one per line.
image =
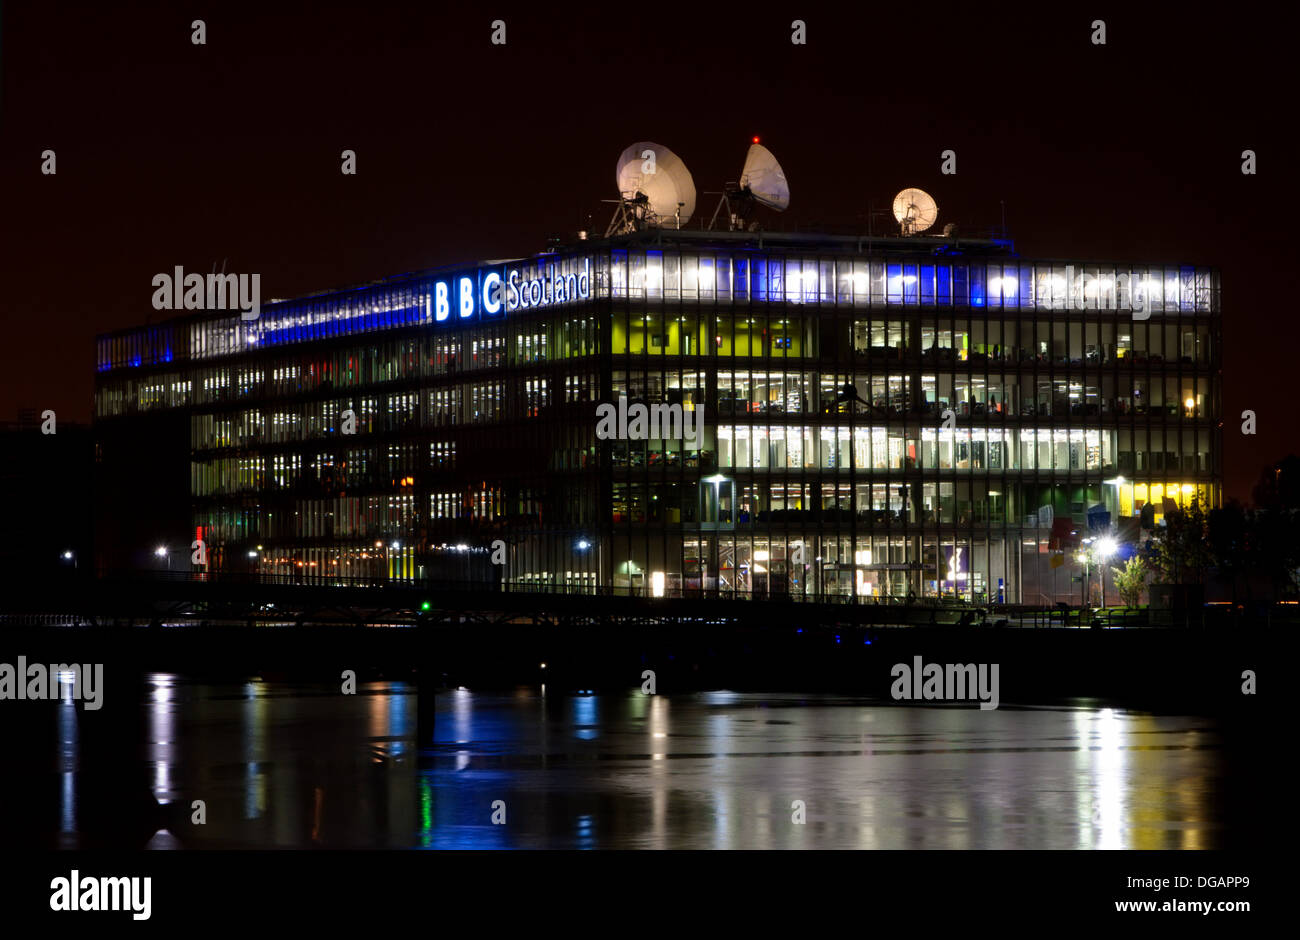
[161,552]
[1106,548]
[584,545]
[1084,559]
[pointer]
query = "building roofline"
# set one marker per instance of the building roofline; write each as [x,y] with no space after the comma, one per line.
[857,242]
[936,246]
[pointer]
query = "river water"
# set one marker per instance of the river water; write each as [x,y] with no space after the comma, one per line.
[278,764]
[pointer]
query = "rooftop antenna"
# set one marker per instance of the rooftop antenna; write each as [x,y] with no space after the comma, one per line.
[654,186]
[915,210]
[762,183]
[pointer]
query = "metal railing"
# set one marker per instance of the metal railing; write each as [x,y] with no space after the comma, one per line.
[905,609]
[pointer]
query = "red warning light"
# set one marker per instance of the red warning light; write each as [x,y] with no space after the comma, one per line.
[755,138]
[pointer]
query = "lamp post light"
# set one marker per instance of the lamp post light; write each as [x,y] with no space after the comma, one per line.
[1084,558]
[162,552]
[1106,547]
[583,546]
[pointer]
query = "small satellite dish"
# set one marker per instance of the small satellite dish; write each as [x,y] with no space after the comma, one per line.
[764,179]
[655,181]
[915,210]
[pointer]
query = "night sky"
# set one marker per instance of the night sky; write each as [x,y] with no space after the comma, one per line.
[175,154]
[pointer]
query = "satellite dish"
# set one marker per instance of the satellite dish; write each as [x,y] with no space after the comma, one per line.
[762,183]
[764,179]
[915,210]
[651,174]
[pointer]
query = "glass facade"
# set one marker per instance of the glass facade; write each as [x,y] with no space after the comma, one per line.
[886,419]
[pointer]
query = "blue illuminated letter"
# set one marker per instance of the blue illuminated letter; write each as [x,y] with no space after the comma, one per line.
[491,292]
[466,297]
[440,301]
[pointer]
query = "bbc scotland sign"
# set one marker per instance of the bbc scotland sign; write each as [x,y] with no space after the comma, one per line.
[495,290]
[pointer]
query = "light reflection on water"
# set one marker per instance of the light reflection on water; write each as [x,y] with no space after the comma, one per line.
[279,764]
[67,763]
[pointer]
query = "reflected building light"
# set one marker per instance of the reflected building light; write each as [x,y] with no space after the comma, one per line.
[69,747]
[1106,732]
[586,837]
[377,718]
[162,734]
[255,710]
[68,810]
[254,790]
[426,812]
[585,717]
[720,734]
[658,719]
[721,831]
[763,822]
[399,717]
[462,713]
[659,706]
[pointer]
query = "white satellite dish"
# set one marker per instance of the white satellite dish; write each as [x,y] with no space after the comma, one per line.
[915,210]
[764,178]
[651,173]
[762,183]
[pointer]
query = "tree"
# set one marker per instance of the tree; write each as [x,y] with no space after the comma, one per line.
[1230,529]
[1279,485]
[1272,548]
[1131,580]
[1269,544]
[1181,551]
